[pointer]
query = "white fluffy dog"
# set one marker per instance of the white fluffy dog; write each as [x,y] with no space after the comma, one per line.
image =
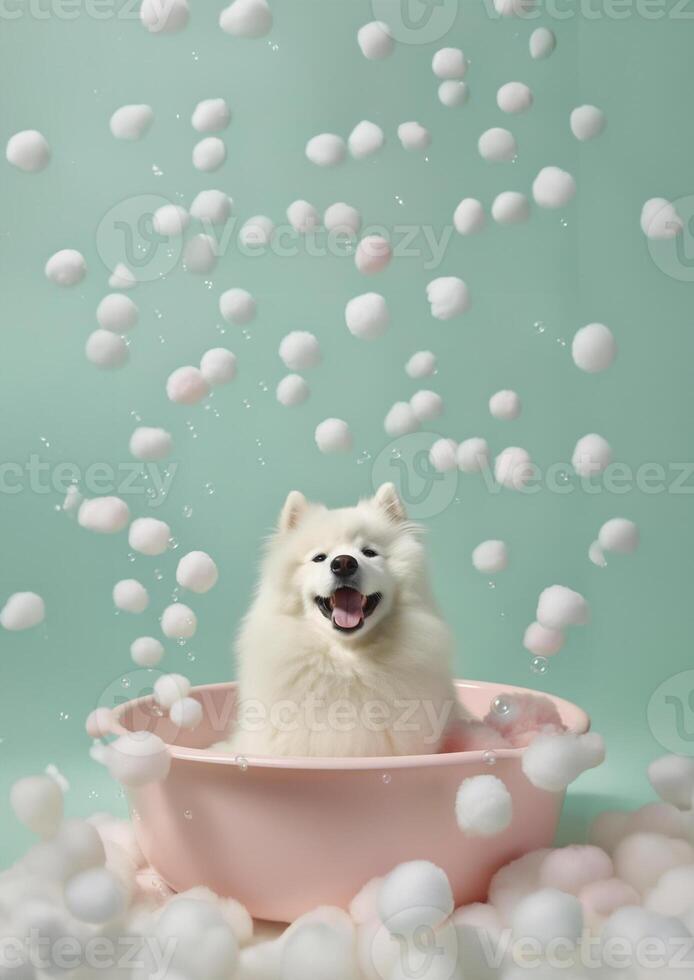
[343,652]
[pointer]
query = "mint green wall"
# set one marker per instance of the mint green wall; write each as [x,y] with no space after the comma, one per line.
[587,262]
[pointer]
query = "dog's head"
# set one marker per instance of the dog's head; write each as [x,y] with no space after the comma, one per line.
[345,569]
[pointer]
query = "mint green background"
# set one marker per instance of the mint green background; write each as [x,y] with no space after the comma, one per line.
[587,262]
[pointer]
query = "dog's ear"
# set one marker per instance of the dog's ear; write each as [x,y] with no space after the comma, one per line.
[388,500]
[294,507]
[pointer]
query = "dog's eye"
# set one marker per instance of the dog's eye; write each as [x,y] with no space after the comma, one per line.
[320,557]
[369,553]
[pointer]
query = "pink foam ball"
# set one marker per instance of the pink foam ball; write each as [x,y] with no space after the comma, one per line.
[570,869]
[372,255]
[98,722]
[602,898]
[608,829]
[641,859]
[658,818]
[186,386]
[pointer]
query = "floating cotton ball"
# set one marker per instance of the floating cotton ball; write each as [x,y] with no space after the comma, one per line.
[197,571]
[292,390]
[490,557]
[619,534]
[497,145]
[209,154]
[95,896]
[131,596]
[117,313]
[98,723]
[122,277]
[170,688]
[510,208]
[570,869]
[468,217]
[66,268]
[553,187]
[483,806]
[442,455]
[673,893]
[105,349]
[514,882]
[210,115]
[149,536]
[303,217]
[642,858]
[513,468]
[473,455]
[587,122]
[106,515]
[28,150]
[138,758]
[333,436]
[415,895]
[422,364]
[505,405]
[37,802]
[246,18]
[342,219]
[426,405]
[448,297]
[672,777]
[413,136]
[237,306]
[551,762]
[150,444]
[592,455]
[559,607]
[375,40]
[186,386]
[164,16]
[593,348]
[213,206]
[514,97]
[366,138]
[218,366]
[372,255]
[452,94]
[186,713]
[660,220]
[146,651]
[449,63]
[326,150]
[542,642]
[548,915]
[257,231]
[22,611]
[400,420]
[131,122]
[300,350]
[367,316]
[179,622]
[170,220]
[542,43]
[316,950]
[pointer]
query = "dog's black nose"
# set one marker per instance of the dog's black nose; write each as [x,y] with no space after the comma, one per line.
[344,565]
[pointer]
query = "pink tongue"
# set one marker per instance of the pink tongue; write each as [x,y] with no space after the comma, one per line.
[347,611]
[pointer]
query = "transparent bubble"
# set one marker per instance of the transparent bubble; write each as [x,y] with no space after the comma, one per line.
[263,386]
[539,326]
[386,778]
[191,656]
[173,543]
[491,584]
[132,556]
[209,489]
[125,682]
[242,762]
[539,665]
[63,716]
[188,814]
[157,171]
[92,794]
[363,457]
[44,442]
[187,510]
[489,758]
[158,574]
[502,706]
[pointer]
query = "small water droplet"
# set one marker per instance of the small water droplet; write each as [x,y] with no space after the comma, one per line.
[209,489]
[561,341]
[489,758]
[563,222]
[157,171]
[242,762]
[263,386]
[395,453]
[93,795]
[173,544]
[386,778]
[132,556]
[502,706]
[188,814]
[44,442]
[135,415]
[191,656]
[158,574]
[363,457]
[539,326]
[63,716]
[491,584]
[539,665]
[246,403]
[187,510]
[125,682]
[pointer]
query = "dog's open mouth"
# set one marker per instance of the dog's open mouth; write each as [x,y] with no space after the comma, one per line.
[348,608]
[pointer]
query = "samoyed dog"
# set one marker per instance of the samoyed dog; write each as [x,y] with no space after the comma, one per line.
[343,652]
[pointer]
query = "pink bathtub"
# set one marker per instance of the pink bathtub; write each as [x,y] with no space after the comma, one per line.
[286,835]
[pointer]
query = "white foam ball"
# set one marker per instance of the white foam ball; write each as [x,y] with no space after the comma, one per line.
[106,515]
[197,572]
[28,151]
[660,220]
[170,688]
[642,858]
[66,267]
[164,16]
[210,115]
[548,915]
[326,150]
[372,255]
[570,869]
[426,405]
[146,651]
[422,364]
[209,154]
[514,881]
[131,122]
[292,390]
[117,313]
[342,219]
[542,43]
[365,139]
[375,40]
[179,622]
[170,220]
[22,611]
[513,468]
[468,217]
[303,217]
[542,642]
[559,607]
[121,277]
[442,455]
[505,405]
[149,536]
[473,455]
[95,896]
[452,94]
[483,806]
[553,187]
[587,122]
[148,443]
[246,18]
[186,386]
[673,893]
[415,895]
[497,145]
[449,63]
[300,350]
[333,436]
[490,557]
[131,596]
[367,316]
[619,534]
[106,350]
[317,950]
[400,420]
[218,366]
[98,723]
[186,713]
[510,208]
[593,348]
[37,802]
[552,762]
[413,136]
[514,97]
[448,297]
[212,205]
[257,232]
[138,758]
[672,777]
[591,455]
[237,306]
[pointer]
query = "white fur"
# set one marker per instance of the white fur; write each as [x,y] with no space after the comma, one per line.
[383,689]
